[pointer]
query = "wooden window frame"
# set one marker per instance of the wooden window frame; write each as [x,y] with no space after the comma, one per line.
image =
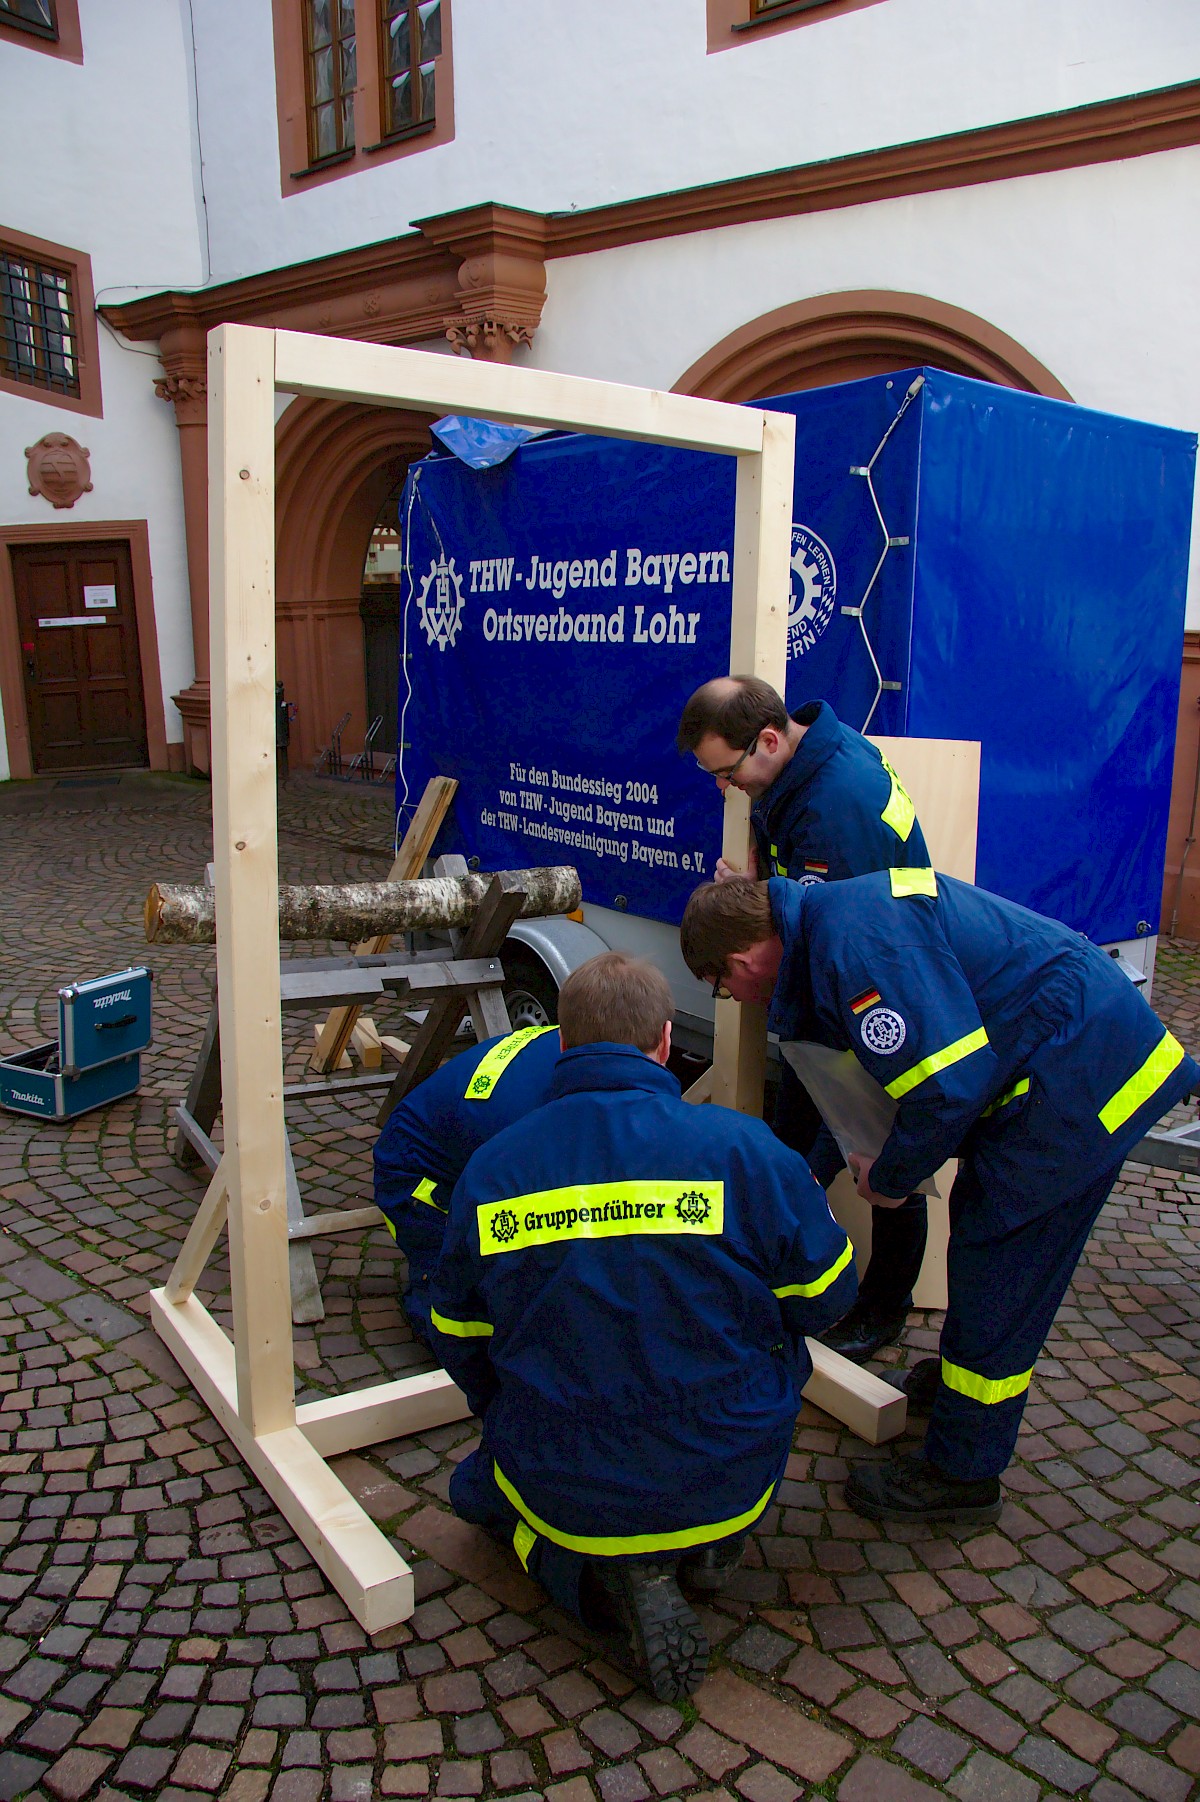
[296,172]
[341,152]
[733,22]
[66,44]
[78,267]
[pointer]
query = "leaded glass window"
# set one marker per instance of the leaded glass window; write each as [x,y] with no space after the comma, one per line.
[332,75]
[38,342]
[412,42]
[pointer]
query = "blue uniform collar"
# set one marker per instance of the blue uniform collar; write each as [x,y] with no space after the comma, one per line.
[791,1003]
[588,1068]
[817,746]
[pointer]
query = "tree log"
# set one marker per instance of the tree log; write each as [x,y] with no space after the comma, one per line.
[179,915]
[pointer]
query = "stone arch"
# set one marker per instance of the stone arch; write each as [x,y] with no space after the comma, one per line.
[842,337]
[336,464]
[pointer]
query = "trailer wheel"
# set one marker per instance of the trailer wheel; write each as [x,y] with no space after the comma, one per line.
[530,992]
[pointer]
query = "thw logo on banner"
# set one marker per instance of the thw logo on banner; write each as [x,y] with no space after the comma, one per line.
[441,603]
[814,585]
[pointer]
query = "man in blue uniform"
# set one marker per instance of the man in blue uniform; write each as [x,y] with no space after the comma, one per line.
[623,1296]
[826,806]
[1003,1038]
[430,1135]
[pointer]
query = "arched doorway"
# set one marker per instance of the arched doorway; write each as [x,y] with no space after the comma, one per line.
[337,464]
[843,337]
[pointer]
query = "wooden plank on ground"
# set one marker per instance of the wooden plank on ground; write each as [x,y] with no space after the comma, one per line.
[859,1399]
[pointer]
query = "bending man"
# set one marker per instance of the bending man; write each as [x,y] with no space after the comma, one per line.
[430,1136]
[1005,1039]
[826,807]
[623,1296]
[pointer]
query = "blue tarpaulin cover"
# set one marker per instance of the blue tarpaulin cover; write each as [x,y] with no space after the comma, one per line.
[559,608]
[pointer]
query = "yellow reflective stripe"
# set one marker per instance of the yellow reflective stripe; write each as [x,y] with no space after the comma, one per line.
[1167,1054]
[912,882]
[899,814]
[524,1540]
[600,1211]
[937,1060]
[424,1192]
[461,1329]
[624,1546]
[988,1390]
[821,1283]
[1018,1088]
[494,1063]
[390,1227]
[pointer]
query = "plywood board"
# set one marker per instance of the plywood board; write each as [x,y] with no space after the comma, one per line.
[942,777]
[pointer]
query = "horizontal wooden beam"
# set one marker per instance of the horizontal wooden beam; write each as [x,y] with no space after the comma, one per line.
[364,1567]
[342,1423]
[386,376]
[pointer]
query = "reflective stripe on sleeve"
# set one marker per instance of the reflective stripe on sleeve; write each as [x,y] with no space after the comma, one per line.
[624,1546]
[938,1060]
[461,1329]
[424,1192]
[1132,1095]
[987,1390]
[912,882]
[899,814]
[825,1281]
[495,1062]
[1018,1088]
[524,1540]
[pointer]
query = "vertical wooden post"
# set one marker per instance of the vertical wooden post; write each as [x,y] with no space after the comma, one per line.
[241,441]
[762,543]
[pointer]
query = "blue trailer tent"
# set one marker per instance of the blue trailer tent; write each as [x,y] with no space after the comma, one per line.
[967,562]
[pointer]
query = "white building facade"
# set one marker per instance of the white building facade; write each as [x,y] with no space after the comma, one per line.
[730,197]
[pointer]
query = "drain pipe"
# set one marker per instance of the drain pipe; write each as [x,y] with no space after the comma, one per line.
[1188,842]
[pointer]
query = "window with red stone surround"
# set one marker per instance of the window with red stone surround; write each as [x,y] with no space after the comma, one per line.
[733,22]
[51,26]
[49,344]
[358,82]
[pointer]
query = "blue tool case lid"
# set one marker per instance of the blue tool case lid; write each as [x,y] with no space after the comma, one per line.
[104,1019]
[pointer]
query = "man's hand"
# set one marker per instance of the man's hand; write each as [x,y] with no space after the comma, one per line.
[860,1170]
[725,870]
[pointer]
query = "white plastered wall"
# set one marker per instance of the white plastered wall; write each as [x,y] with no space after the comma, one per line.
[1089,269]
[105,155]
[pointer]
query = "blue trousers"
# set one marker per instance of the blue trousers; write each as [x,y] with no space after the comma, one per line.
[476,1496]
[1011,1258]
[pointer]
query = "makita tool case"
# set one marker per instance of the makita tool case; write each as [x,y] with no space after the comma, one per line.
[102,1026]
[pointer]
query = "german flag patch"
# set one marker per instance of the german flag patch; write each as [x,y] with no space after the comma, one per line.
[868,998]
[813,866]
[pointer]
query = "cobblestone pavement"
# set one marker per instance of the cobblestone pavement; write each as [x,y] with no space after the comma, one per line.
[164,1634]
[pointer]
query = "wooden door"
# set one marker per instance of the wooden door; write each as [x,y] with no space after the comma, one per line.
[79,653]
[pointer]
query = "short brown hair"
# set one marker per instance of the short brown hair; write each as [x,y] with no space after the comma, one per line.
[615,998]
[736,708]
[721,918]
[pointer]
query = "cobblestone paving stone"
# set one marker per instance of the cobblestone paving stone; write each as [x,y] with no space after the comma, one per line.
[163,1634]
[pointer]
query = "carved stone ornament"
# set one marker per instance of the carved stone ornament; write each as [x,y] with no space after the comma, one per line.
[493,339]
[58,468]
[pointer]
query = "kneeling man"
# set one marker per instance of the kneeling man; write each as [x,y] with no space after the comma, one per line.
[1005,1039]
[623,1295]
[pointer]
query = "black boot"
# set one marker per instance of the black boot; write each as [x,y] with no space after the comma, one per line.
[710,1567]
[665,1646]
[864,1331]
[910,1488]
[920,1384]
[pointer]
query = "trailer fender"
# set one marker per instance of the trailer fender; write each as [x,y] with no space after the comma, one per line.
[560,944]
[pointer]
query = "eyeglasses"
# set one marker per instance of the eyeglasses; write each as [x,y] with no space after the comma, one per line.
[731,772]
[719,991]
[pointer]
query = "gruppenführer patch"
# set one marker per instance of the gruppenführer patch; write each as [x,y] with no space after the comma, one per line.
[883,1031]
[600,1211]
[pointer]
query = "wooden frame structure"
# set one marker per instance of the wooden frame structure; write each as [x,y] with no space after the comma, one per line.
[249,1383]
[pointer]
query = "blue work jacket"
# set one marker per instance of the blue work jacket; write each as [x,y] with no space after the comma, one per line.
[623,1292]
[836,809]
[430,1134]
[987,1024]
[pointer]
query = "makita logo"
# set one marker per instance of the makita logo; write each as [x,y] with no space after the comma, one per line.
[103,1001]
[34,1100]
